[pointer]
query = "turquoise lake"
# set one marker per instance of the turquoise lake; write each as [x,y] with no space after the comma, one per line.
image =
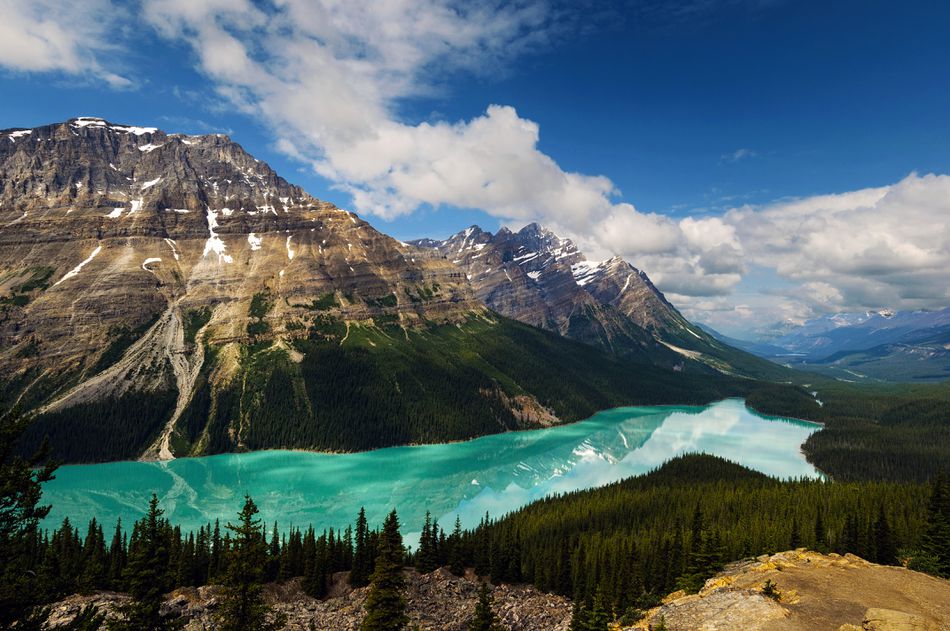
[495,473]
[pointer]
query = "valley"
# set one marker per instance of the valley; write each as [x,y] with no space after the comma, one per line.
[181,324]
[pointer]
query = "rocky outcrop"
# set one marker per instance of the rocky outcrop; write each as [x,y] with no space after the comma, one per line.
[813,592]
[436,601]
[539,278]
[108,227]
[124,251]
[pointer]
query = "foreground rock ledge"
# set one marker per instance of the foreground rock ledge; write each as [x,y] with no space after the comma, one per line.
[816,592]
[439,600]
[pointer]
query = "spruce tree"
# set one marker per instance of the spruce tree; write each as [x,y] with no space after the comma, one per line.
[821,536]
[243,607]
[385,604]
[484,618]
[362,561]
[20,511]
[456,558]
[884,540]
[936,540]
[578,617]
[795,540]
[599,615]
[145,575]
[117,550]
[426,556]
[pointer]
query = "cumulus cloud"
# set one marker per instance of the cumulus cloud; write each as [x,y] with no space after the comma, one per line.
[327,77]
[330,77]
[872,248]
[60,35]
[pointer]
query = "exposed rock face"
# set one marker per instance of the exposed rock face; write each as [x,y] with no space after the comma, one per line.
[815,592]
[437,601]
[127,242]
[539,278]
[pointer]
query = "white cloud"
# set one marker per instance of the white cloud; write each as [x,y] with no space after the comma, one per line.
[872,248]
[60,35]
[328,77]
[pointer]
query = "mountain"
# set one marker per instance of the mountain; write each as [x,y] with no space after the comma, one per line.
[535,276]
[885,346]
[164,294]
[762,349]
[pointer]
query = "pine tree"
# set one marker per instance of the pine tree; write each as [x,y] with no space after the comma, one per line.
[117,550]
[243,607]
[145,575]
[362,562]
[795,540]
[456,558]
[217,553]
[936,539]
[385,604]
[598,617]
[821,535]
[484,618]
[20,511]
[884,540]
[426,556]
[273,556]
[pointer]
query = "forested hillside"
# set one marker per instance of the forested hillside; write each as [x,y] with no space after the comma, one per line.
[349,387]
[616,549]
[872,432]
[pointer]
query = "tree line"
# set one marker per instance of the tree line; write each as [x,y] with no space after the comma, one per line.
[614,550]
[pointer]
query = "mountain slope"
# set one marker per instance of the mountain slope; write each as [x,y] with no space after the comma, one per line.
[823,337]
[539,278]
[166,295]
[884,346]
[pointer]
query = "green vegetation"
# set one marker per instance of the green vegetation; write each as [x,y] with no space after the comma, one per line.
[145,573]
[20,296]
[616,550]
[116,428]
[872,432]
[261,304]
[38,279]
[638,539]
[484,618]
[362,387]
[21,482]
[122,337]
[324,302]
[385,603]
[242,606]
[389,300]
[193,320]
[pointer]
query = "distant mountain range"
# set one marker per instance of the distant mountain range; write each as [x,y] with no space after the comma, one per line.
[876,346]
[164,295]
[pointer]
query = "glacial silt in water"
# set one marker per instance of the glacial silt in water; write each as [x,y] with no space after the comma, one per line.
[496,473]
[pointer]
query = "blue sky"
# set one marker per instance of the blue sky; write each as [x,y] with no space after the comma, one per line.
[676,134]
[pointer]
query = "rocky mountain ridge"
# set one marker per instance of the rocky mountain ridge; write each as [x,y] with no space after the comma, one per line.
[164,295]
[542,279]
